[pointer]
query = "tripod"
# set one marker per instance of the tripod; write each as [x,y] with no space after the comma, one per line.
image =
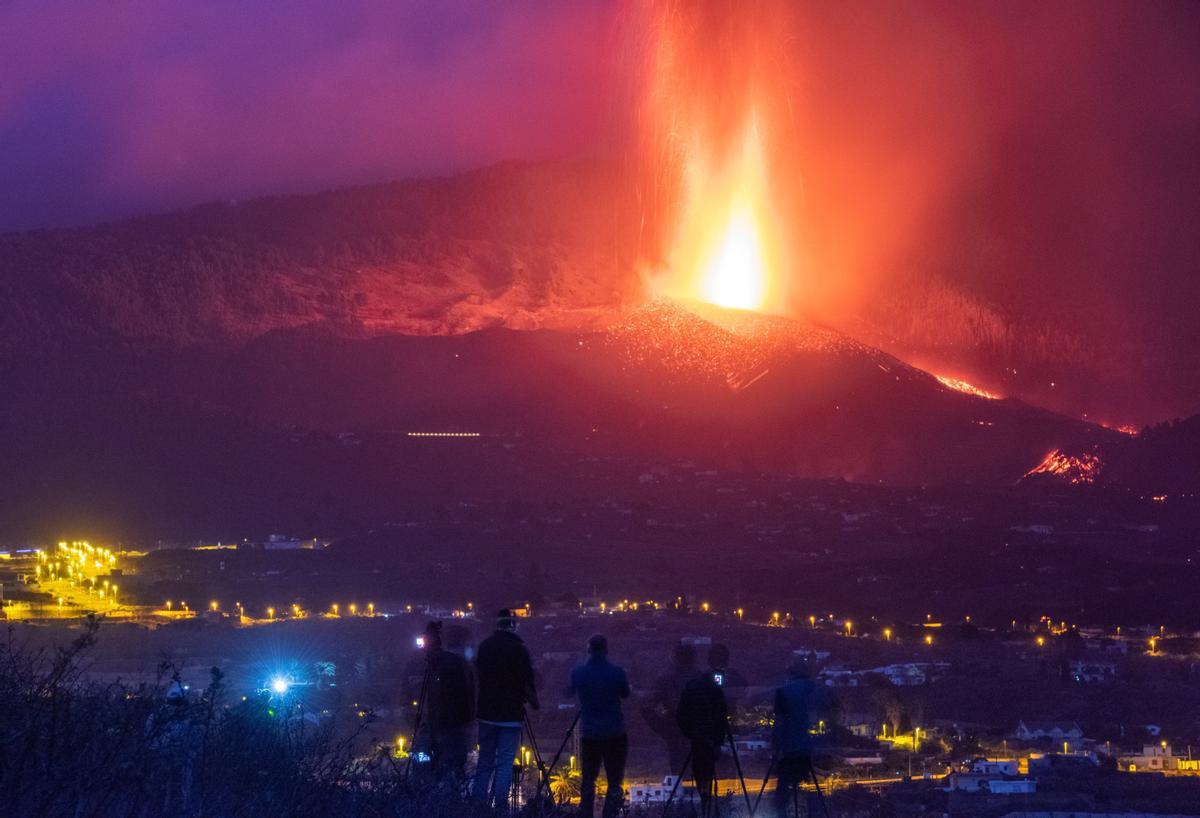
[420,713]
[537,760]
[547,771]
[712,799]
[812,771]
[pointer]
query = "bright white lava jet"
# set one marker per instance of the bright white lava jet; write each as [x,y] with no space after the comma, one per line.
[735,276]
[726,250]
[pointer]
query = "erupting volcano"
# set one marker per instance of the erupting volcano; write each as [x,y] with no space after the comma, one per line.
[679,301]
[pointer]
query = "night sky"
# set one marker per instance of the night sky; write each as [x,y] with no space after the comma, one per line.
[1044,157]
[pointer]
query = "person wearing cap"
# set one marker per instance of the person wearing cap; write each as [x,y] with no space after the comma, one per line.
[506,684]
[600,686]
[799,704]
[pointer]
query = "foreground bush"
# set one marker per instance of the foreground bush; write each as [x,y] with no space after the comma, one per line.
[70,747]
[73,748]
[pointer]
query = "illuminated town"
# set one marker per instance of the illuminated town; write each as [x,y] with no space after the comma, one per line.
[931,705]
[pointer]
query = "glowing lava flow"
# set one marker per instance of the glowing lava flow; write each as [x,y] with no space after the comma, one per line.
[1081,469]
[959,385]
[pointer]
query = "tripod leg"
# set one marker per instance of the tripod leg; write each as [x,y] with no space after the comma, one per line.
[416,732]
[738,765]
[554,761]
[674,787]
[763,788]
[820,796]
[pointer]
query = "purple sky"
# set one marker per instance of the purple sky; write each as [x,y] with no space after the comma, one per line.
[119,107]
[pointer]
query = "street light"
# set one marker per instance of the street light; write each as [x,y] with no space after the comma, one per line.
[887,634]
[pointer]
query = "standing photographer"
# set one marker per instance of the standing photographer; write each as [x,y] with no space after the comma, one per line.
[450,700]
[600,686]
[702,717]
[800,704]
[506,684]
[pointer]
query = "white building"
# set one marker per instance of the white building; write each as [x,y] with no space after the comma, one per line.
[1153,758]
[1057,732]
[749,744]
[659,793]
[996,766]
[990,783]
[1091,672]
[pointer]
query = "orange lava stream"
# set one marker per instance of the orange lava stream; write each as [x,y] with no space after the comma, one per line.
[960,385]
[1082,469]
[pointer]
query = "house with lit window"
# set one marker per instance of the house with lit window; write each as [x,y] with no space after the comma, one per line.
[1154,758]
[993,777]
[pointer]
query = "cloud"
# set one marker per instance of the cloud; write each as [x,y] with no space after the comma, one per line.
[152,105]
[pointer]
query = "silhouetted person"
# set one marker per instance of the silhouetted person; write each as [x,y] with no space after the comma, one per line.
[600,686]
[449,700]
[799,704]
[733,682]
[505,676]
[702,717]
[659,709]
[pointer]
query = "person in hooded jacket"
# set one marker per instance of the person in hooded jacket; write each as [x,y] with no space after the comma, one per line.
[504,673]
[800,703]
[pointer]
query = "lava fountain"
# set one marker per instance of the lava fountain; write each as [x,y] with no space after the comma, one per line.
[713,105]
[724,248]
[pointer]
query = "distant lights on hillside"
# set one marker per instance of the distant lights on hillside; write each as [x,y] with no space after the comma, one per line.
[444,434]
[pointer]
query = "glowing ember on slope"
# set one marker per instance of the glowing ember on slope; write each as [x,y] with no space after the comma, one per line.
[727,344]
[1081,469]
[960,385]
